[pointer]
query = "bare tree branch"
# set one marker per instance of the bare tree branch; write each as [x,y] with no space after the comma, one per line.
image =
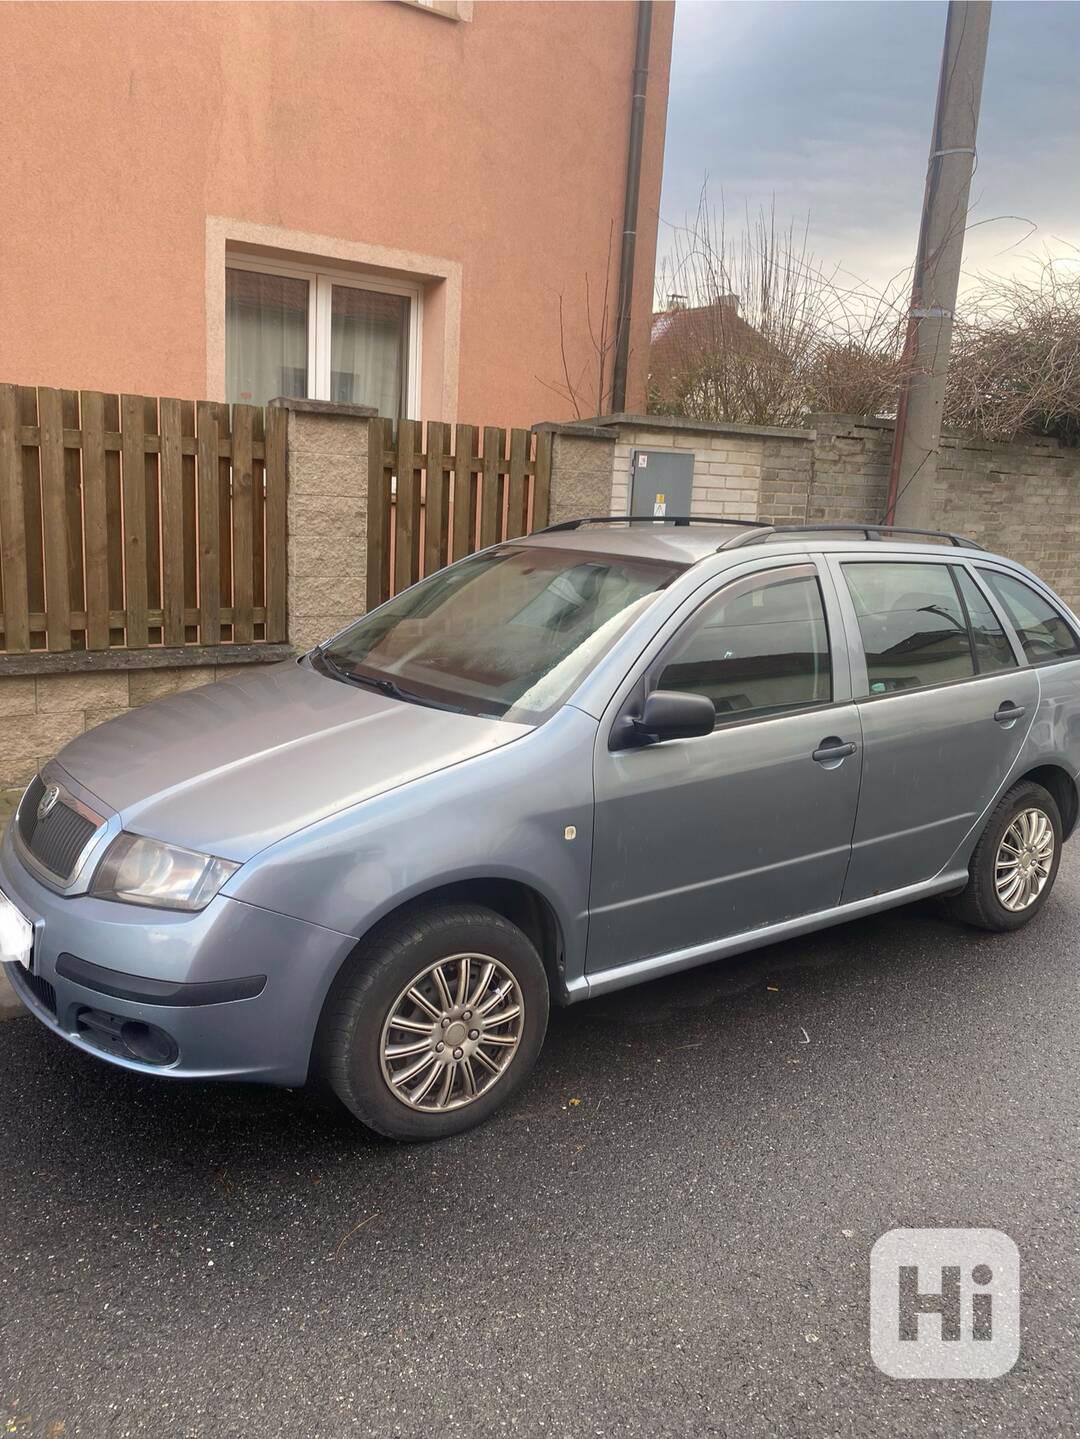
[761,334]
[592,384]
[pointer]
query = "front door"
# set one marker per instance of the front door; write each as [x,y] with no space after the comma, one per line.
[945,710]
[699,839]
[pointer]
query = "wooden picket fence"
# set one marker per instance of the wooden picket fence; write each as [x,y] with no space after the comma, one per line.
[127,521]
[429,505]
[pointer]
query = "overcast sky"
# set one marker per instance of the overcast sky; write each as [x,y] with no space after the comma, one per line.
[827,108]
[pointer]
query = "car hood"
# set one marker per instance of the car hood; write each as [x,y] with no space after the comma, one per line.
[232,767]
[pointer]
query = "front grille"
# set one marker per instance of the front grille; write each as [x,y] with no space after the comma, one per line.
[40,988]
[57,840]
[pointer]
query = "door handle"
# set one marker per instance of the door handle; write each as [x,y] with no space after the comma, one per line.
[1008,713]
[832,750]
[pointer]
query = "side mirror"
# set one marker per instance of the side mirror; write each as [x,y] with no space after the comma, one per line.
[667,714]
[674,714]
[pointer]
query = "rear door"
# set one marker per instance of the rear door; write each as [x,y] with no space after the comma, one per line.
[699,839]
[945,704]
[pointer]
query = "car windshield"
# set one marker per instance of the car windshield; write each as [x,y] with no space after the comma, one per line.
[508,633]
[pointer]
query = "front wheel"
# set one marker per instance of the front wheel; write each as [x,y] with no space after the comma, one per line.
[1015,863]
[435,1026]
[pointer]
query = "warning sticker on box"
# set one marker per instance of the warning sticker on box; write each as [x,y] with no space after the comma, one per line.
[659,508]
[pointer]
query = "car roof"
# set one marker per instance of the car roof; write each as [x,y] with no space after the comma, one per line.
[687,541]
[681,543]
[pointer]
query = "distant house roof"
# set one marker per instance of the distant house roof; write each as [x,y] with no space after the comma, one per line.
[683,336]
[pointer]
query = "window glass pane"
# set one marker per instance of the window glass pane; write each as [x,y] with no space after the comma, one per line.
[913,629]
[992,648]
[1043,633]
[266,336]
[367,348]
[509,632]
[760,646]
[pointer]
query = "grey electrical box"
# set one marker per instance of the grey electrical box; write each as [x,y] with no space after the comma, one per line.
[661,482]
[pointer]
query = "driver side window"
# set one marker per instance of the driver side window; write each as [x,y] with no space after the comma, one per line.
[759,647]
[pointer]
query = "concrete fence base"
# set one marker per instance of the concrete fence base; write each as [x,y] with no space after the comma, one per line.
[40,713]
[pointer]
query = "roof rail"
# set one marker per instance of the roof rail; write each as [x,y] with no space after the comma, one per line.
[647,520]
[868,532]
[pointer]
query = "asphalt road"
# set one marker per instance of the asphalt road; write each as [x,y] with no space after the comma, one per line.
[667,1234]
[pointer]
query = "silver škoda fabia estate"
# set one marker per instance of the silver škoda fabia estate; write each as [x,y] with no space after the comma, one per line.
[571,762]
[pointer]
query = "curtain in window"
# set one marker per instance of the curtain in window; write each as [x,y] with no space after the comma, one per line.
[367,348]
[266,336]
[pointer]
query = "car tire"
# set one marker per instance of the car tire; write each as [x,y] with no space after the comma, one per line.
[984,902]
[425,953]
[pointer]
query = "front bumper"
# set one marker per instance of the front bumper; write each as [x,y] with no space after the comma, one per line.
[99,966]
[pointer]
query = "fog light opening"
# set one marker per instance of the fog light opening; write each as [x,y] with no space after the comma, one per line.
[147,1042]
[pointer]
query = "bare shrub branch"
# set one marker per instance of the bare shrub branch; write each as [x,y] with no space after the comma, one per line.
[1015,364]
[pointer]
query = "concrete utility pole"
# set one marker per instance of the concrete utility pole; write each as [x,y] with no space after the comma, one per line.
[937,265]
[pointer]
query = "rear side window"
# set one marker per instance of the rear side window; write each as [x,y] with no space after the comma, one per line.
[914,630]
[1042,631]
[992,648]
[759,647]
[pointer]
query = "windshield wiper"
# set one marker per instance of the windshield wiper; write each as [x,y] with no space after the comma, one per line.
[383,685]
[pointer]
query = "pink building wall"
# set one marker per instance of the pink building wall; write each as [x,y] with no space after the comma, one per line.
[486,155]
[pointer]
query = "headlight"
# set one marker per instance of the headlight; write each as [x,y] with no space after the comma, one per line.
[145,871]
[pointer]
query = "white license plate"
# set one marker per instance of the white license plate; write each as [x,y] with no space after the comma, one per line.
[16,934]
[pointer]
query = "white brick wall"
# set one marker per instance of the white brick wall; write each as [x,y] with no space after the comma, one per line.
[727,469]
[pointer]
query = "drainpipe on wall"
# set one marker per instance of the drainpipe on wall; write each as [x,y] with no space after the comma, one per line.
[630,209]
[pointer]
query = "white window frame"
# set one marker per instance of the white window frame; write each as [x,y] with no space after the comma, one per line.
[321,280]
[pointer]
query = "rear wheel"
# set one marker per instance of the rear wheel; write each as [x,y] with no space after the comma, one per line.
[436,1025]
[1015,863]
